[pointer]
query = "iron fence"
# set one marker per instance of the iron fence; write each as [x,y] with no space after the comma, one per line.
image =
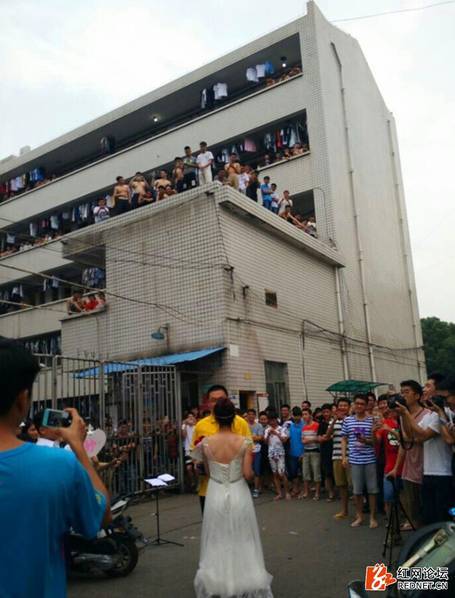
[139,408]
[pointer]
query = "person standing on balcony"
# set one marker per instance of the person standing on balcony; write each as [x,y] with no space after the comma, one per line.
[178,174]
[190,169]
[204,162]
[139,188]
[266,192]
[163,180]
[101,211]
[121,196]
[233,170]
[285,202]
[253,186]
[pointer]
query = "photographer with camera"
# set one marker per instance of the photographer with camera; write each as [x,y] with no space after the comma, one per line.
[43,492]
[444,406]
[411,452]
[437,454]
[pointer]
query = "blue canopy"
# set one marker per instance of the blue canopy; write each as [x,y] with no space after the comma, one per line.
[163,360]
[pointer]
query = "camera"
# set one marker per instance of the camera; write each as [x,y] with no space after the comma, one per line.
[394,399]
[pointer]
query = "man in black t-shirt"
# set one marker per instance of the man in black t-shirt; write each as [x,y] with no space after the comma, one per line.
[326,447]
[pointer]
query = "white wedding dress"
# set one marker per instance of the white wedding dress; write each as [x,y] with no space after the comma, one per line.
[231,563]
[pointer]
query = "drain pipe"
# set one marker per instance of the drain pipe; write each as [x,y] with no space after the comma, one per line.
[361,260]
[341,327]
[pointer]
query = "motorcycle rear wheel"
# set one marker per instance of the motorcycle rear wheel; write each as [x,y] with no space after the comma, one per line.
[129,556]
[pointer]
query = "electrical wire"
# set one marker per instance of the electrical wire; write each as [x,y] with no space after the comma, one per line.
[393,12]
[170,310]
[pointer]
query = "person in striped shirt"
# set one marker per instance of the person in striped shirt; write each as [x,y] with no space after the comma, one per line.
[357,432]
[340,473]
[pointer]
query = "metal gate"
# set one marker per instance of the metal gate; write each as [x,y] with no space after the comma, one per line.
[139,408]
[149,422]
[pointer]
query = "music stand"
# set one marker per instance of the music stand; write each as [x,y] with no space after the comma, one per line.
[158,540]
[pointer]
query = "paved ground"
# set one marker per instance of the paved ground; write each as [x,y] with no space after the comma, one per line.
[309,553]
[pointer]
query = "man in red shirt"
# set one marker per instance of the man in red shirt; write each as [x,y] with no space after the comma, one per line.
[393,465]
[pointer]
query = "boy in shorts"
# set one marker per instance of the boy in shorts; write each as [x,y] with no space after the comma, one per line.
[275,436]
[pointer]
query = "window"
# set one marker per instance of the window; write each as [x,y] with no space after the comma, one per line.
[276,380]
[271,298]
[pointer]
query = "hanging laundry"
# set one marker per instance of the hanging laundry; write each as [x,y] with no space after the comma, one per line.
[249,145]
[269,68]
[220,91]
[10,238]
[207,98]
[18,291]
[251,74]
[33,229]
[54,221]
[260,71]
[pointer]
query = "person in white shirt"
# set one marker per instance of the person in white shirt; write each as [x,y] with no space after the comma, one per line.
[187,435]
[204,163]
[276,436]
[285,202]
[244,178]
[437,458]
[101,211]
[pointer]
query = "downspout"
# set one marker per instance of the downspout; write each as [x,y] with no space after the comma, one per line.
[406,257]
[361,259]
[341,326]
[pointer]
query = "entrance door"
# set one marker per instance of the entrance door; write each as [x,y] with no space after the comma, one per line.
[247,399]
[276,378]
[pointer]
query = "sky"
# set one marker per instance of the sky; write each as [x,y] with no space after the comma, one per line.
[64,63]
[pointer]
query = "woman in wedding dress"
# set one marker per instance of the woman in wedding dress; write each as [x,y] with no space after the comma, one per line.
[231,563]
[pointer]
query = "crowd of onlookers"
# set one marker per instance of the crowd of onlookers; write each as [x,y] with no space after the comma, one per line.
[190,170]
[379,450]
[78,304]
[18,245]
[375,451]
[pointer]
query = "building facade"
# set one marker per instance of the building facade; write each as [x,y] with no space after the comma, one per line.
[210,268]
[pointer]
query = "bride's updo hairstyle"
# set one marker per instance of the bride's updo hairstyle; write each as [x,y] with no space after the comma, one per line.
[224,412]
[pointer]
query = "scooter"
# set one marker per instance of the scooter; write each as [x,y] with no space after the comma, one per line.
[115,550]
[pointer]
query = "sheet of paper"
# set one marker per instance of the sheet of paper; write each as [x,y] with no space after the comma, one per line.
[166,477]
[156,482]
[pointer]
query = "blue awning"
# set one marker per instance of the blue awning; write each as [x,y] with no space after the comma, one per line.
[163,360]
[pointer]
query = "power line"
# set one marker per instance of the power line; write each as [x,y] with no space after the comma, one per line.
[170,310]
[393,12]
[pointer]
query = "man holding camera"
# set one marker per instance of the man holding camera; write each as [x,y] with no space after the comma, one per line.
[43,492]
[437,454]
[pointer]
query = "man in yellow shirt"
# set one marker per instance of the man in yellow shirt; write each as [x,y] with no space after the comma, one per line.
[208,426]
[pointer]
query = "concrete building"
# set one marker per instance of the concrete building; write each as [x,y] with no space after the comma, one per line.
[288,314]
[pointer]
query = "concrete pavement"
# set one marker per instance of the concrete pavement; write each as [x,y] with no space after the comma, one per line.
[309,553]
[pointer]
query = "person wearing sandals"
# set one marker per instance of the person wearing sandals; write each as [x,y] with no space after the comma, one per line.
[358,432]
[311,461]
[276,436]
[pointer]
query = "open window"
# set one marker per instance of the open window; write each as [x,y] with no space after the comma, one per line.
[271,298]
